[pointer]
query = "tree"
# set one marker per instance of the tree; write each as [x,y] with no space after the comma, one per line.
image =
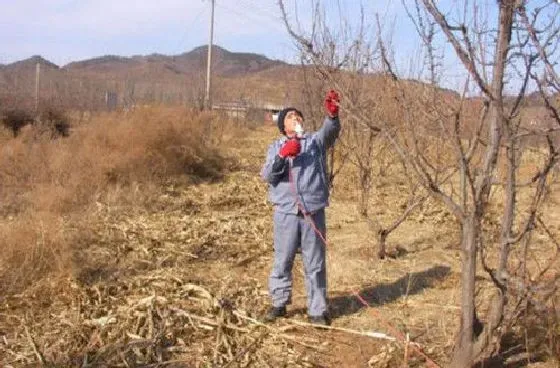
[460,157]
[361,145]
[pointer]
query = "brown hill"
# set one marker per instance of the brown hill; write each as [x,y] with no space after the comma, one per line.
[29,64]
[136,79]
[168,79]
[225,63]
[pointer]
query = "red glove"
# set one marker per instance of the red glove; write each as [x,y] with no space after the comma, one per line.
[291,148]
[332,100]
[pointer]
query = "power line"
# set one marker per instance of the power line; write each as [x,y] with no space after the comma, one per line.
[263,12]
[247,16]
[207,100]
[192,23]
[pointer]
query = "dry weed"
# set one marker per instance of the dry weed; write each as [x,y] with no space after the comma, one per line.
[46,183]
[165,273]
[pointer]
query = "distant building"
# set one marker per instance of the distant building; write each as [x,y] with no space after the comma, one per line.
[272,111]
[236,110]
[263,112]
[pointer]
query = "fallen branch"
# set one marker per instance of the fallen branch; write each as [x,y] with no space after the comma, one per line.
[208,321]
[245,350]
[274,330]
[375,335]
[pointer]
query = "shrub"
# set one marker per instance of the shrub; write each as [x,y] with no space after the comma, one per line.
[15,119]
[45,182]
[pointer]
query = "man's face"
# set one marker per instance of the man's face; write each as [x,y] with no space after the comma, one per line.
[290,121]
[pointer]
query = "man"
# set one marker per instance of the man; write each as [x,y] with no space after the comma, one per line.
[296,171]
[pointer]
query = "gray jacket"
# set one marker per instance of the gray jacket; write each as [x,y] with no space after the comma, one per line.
[308,171]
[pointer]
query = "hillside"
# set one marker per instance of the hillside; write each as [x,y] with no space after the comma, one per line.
[225,63]
[168,79]
[27,65]
[174,79]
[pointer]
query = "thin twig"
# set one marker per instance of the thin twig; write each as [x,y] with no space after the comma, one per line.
[274,330]
[246,349]
[218,336]
[206,320]
[34,346]
[375,335]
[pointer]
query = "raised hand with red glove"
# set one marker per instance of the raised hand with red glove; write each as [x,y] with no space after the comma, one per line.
[332,103]
[291,148]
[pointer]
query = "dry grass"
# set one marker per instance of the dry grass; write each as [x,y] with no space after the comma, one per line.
[174,273]
[48,185]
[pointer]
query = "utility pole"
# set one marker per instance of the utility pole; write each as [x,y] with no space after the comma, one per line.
[37,85]
[208,98]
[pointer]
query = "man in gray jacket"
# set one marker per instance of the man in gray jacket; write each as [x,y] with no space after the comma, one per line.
[296,171]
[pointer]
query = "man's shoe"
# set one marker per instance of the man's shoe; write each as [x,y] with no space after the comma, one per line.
[274,313]
[322,320]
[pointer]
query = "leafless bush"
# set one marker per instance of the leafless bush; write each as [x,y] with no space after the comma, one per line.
[55,122]
[15,119]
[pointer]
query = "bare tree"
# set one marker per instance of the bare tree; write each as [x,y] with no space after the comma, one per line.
[503,135]
[361,146]
[439,139]
[378,168]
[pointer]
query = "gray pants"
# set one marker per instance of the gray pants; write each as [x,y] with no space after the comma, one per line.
[290,232]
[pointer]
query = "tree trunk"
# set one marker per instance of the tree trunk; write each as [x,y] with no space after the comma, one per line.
[509,206]
[365,186]
[463,354]
[381,243]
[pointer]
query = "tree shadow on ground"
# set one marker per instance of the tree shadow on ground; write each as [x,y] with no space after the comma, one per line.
[347,303]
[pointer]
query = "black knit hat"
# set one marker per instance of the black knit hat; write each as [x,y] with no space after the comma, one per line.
[282,115]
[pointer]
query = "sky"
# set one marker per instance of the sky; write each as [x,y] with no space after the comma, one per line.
[70,30]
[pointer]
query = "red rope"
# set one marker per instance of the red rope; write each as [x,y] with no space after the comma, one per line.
[398,335]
